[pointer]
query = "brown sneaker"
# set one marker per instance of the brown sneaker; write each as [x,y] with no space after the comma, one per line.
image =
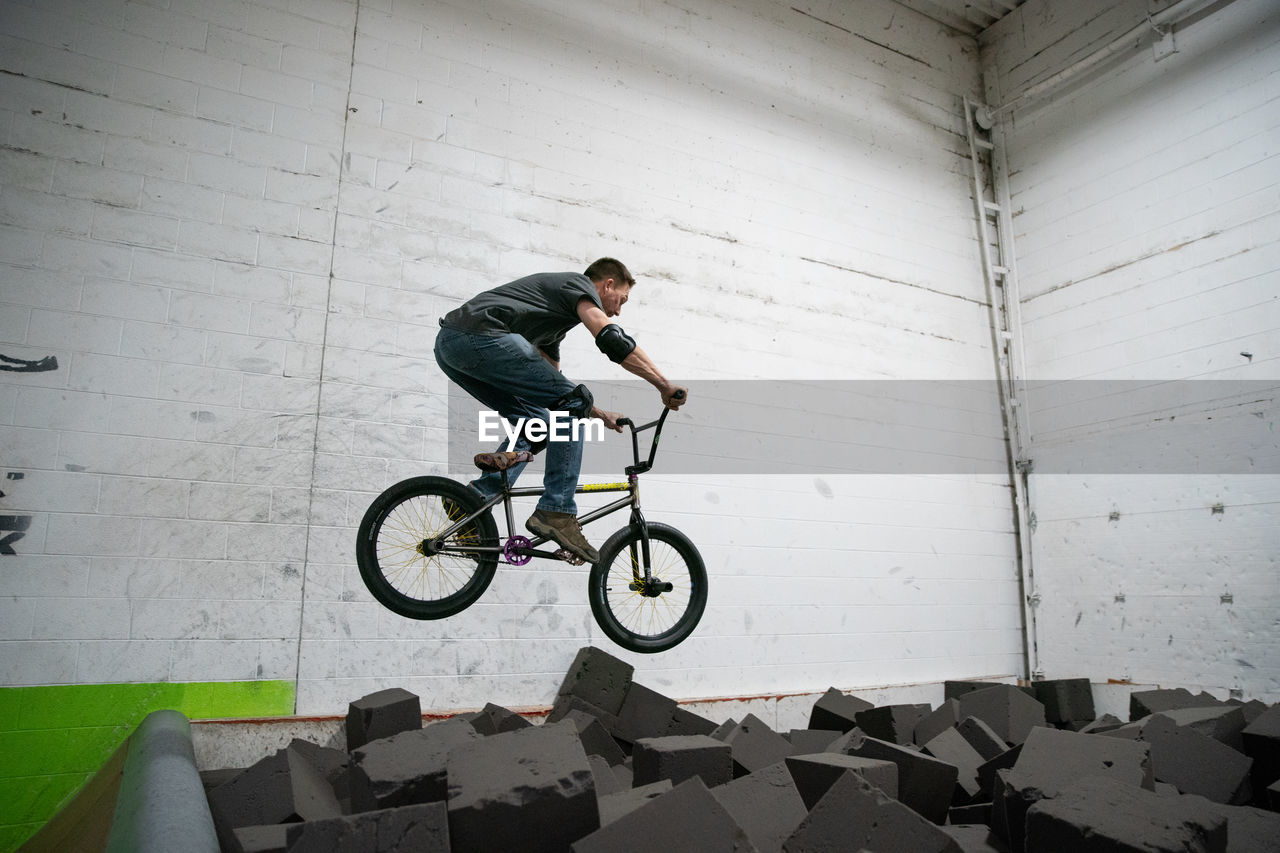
[563,527]
[455,513]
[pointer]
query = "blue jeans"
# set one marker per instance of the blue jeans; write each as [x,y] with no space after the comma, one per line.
[510,376]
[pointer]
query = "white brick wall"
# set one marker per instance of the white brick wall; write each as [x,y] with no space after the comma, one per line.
[166,463]
[235,225]
[793,201]
[1146,226]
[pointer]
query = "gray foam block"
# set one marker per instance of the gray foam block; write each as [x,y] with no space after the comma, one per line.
[566,705]
[766,804]
[263,839]
[686,722]
[529,790]
[804,741]
[1224,723]
[599,678]
[892,723]
[596,740]
[976,839]
[1052,761]
[380,715]
[987,771]
[1261,742]
[815,774]
[422,828]
[836,710]
[495,719]
[614,806]
[1065,699]
[1251,830]
[1195,762]
[1105,723]
[1105,815]
[1008,710]
[982,737]
[946,716]
[950,746]
[409,767]
[606,781]
[686,819]
[754,745]
[644,713]
[925,784]
[678,758]
[282,787]
[1144,703]
[856,815]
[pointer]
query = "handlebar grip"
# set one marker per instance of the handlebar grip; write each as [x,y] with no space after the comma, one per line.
[678,394]
[625,422]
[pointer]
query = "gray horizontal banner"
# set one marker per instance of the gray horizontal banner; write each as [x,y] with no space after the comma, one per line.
[922,427]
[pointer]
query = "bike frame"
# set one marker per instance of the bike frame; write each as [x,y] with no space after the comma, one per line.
[528,548]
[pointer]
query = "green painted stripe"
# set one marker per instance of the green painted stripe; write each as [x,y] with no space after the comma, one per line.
[55,738]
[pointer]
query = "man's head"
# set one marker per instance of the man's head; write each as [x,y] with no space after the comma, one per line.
[613,282]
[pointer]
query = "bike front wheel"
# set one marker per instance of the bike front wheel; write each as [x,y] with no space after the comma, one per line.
[397,554]
[653,616]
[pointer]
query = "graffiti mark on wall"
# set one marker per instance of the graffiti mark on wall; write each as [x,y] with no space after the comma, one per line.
[18,524]
[21,365]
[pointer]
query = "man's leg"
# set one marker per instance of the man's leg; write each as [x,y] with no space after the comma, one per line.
[507,374]
[462,356]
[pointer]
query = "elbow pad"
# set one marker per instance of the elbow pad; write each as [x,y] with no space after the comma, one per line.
[615,343]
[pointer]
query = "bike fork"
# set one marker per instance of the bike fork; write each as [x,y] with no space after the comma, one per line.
[637,518]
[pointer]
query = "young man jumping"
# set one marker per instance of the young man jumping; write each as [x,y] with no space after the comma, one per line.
[503,348]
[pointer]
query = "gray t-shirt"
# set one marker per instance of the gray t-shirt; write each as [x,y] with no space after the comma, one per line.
[541,307]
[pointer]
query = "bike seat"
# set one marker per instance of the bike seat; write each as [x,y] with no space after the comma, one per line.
[502,460]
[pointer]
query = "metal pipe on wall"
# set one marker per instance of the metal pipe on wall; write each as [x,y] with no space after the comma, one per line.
[1134,39]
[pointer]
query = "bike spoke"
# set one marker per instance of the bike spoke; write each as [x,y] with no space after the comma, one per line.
[410,571]
[643,615]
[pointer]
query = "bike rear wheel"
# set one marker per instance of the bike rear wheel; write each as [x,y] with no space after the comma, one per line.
[653,618]
[397,561]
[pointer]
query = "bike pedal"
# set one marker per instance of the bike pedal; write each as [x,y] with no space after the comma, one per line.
[568,556]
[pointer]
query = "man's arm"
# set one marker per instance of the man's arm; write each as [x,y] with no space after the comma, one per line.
[638,362]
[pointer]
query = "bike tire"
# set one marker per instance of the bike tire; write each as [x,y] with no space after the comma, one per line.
[637,622]
[396,571]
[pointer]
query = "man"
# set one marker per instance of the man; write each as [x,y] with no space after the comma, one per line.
[503,348]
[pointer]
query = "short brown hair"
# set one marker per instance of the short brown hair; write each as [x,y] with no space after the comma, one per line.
[609,268]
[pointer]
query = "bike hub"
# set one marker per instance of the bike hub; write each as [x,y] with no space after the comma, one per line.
[651,588]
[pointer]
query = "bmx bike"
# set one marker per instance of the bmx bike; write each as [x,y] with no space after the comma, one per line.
[428,548]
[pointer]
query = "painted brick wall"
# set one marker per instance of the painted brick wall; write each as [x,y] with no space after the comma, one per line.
[1145,204]
[234,225]
[167,206]
[788,187]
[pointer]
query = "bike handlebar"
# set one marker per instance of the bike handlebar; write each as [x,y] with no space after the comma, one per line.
[640,467]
